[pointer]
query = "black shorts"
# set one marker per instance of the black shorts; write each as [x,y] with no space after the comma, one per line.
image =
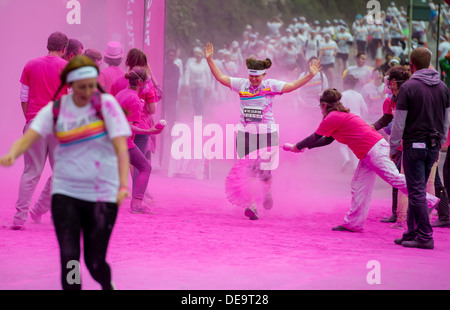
[328,66]
[342,56]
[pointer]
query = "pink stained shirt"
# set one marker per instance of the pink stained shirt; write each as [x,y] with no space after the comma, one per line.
[108,76]
[389,106]
[120,83]
[148,95]
[349,129]
[42,76]
[133,106]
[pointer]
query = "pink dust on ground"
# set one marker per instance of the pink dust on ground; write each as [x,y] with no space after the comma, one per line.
[197,240]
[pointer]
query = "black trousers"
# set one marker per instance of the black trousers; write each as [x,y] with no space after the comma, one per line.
[96,220]
[417,164]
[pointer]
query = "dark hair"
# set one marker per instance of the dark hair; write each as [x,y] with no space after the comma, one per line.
[312,58]
[331,97]
[255,64]
[73,47]
[398,74]
[113,62]
[57,41]
[350,81]
[360,54]
[421,58]
[171,50]
[93,54]
[388,54]
[377,69]
[136,74]
[136,58]
[76,63]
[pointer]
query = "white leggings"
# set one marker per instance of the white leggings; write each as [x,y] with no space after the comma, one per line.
[376,162]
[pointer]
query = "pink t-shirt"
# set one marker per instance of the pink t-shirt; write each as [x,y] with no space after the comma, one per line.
[41,75]
[133,105]
[119,84]
[389,106]
[108,76]
[148,95]
[349,129]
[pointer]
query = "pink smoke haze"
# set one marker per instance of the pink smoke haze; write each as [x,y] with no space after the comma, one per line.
[197,240]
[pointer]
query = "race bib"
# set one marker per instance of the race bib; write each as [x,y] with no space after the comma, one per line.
[253,115]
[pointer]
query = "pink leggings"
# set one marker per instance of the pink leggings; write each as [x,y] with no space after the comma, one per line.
[143,170]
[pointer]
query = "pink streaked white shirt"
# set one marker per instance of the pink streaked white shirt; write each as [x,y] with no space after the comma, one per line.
[256,104]
[86,165]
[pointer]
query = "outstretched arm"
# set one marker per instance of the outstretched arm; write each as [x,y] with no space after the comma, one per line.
[314,67]
[140,131]
[312,141]
[19,147]
[218,75]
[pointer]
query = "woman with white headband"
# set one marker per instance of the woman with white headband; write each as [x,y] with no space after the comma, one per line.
[90,174]
[256,97]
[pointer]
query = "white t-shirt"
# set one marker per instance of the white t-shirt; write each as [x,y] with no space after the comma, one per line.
[362,74]
[444,47]
[197,74]
[361,33]
[396,30]
[377,31]
[328,50]
[274,28]
[341,40]
[310,92]
[311,48]
[86,164]
[256,104]
[355,102]
[374,97]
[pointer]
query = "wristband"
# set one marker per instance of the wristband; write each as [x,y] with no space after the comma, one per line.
[123,188]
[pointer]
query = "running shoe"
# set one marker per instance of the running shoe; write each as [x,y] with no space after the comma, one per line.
[251,213]
[141,210]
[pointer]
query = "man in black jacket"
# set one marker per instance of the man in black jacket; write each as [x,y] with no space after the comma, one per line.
[421,121]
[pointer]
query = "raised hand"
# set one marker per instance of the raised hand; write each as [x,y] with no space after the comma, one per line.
[314,67]
[209,50]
